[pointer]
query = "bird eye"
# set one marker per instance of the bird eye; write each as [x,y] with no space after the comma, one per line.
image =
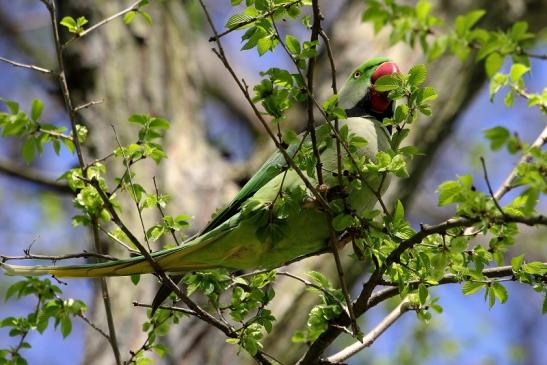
[357,74]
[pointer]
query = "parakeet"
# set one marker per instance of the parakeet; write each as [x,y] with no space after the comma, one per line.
[274,219]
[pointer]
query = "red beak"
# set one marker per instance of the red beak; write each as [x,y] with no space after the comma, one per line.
[379,102]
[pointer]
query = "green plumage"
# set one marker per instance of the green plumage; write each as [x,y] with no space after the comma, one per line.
[274,219]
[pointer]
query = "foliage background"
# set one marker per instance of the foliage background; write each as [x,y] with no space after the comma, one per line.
[467,332]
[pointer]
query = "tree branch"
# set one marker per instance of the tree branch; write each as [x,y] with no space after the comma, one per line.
[217,37]
[393,289]
[167,307]
[508,182]
[373,335]
[361,305]
[33,176]
[106,296]
[24,65]
[132,7]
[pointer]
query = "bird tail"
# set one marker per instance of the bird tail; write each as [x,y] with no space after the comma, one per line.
[136,265]
[193,255]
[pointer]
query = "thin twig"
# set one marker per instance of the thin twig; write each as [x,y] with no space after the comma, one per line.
[23,65]
[106,296]
[149,338]
[314,37]
[167,307]
[532,55]
[132,7]
[217,37]
[393,288]
[361,305]
[202,314]
[242,86]
[88,104]
[29,256]
[96,161]
[310,284]
[93,325]
[54,134]
[161,210]
[507,184]
[373,335]
[132,195]
[24,335]
[490,186]
[50,5]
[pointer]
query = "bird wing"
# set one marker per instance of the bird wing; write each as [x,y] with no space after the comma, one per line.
[270,169]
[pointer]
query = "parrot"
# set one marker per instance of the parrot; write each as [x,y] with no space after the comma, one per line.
[274,219]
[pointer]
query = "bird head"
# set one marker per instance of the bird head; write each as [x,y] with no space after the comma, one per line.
[358,96]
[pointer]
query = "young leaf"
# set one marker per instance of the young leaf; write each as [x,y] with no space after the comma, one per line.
[36,109]
[386,83]
[471,287]
[493,63]
[498,136]
[422,293]
[293,45]
[28,150]
[517,70]
[417,75]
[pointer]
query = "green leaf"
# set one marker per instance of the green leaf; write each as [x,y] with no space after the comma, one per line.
[498,136]
[493,63]
[36,109]
[422,9]
[147,17]
[13,106]
[237,19]
[447,192]
[500,292]
[129,16]
[290,137]
[81,21]
[28,150]
[293,45]
[516,262]
[422,293]
[426,94]
[517,70]
[465,22]
[139,119]
[66,326]
[13,289]
[69,22]
[386,83]
[471,287]
[496,83]
[263,45]
[135,279]
[417,75]
[535,268]
[342,221]
[319,279]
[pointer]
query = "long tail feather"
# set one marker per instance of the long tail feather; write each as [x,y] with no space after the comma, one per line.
[137,265]
[192,255]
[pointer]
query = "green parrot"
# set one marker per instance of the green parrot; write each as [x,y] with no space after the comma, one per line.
[254,230]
